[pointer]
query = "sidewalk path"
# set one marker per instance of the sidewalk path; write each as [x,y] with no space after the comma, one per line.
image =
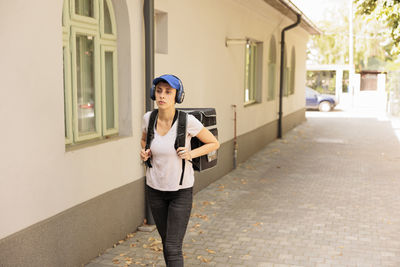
[328,194]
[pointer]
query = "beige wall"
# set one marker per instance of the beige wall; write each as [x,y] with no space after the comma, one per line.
[213,74]
[39,178]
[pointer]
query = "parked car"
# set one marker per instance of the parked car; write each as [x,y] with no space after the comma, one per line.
[315,100]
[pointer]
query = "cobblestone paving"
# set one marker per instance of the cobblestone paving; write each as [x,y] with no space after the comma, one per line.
[328,194]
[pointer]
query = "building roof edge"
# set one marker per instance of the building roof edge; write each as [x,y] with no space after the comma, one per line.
[290,10]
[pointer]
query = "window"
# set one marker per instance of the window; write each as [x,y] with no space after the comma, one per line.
[292,79]
[253,70]
[90,70]
[271,69]
[286,75]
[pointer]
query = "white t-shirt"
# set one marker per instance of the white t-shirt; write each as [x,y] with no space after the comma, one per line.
[166,172]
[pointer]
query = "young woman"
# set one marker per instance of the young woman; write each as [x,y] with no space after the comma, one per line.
[170,202]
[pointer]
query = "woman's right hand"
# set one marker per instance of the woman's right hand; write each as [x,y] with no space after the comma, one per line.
[145,154]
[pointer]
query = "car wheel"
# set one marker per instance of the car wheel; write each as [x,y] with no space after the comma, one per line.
[325,106]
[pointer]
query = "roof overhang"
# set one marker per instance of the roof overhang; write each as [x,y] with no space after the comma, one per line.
[289,10]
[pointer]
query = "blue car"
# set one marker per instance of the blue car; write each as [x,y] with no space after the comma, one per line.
[315,100]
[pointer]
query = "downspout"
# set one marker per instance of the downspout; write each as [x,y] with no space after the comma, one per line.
[282,70]
[148,13]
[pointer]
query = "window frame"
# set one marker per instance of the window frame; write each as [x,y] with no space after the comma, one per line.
[79,18]
[97,133]
[104,35]
[271,95]
[67,91]
[74,25]
[253,71]
[286,75]
[104,49]
[292,79]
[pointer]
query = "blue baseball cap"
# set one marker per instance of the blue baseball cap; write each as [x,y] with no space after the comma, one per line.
[170,79]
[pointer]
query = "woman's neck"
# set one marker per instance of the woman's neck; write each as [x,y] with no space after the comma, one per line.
[166,114]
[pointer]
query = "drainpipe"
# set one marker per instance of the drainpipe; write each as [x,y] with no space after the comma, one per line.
[148,13]
[282,70]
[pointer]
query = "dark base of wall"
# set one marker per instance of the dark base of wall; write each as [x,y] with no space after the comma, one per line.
[79,234]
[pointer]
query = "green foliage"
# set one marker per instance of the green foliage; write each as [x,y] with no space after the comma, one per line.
[332,46]
[323,82]
[387,12]
[373,45]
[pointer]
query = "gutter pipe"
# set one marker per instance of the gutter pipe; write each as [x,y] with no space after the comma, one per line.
[148,13]
[282,70]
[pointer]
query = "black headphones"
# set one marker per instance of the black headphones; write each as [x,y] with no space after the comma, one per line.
[180,93]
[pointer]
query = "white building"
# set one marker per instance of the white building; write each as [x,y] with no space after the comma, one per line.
[73,90]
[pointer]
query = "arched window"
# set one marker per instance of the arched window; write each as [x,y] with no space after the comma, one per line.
[90,70]
[292,72]
[271,69]
[286,75]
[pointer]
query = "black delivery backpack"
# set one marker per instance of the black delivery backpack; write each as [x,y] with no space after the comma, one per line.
[208,117]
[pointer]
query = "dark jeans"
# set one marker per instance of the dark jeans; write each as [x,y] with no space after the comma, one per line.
[171,213]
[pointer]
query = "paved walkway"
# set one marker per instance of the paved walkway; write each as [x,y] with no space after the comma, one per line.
[328,194]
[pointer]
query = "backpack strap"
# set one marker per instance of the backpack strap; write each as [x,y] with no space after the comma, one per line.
[150,133]
[181,137]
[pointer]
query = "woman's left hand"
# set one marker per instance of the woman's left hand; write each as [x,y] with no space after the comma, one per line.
[184,153]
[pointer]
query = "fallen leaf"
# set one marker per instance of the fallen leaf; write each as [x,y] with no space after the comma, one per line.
[210,251]
[155,243]
[133,245]
[203,217]
[201,258]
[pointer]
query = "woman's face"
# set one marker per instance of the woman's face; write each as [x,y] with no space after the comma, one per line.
[165,95]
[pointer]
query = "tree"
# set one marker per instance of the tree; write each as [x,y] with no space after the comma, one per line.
[372,42]
[386,11]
